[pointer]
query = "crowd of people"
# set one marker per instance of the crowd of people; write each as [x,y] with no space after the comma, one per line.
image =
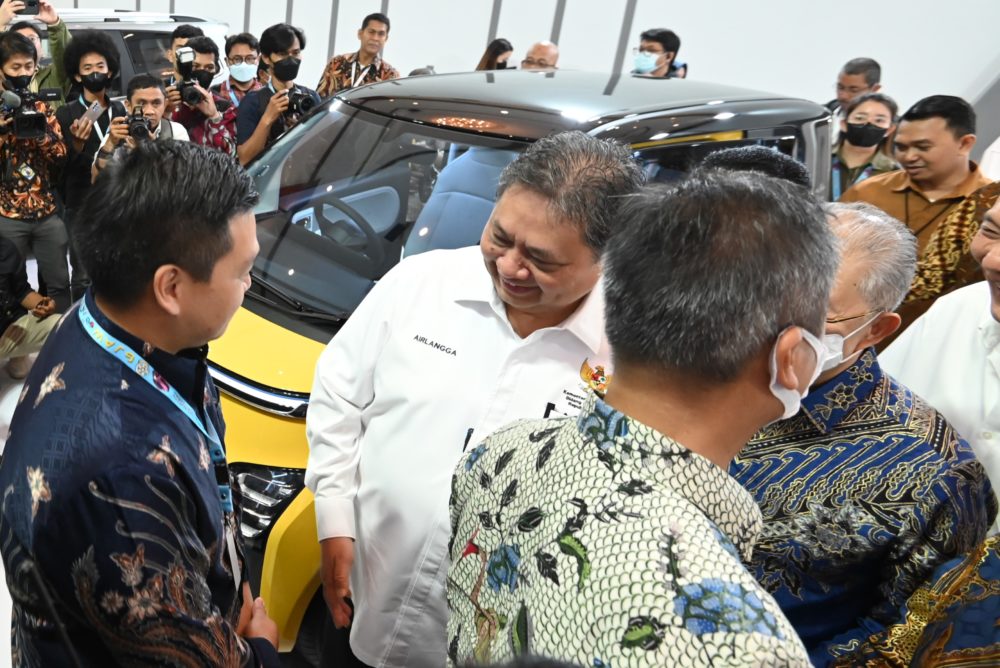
[777,449]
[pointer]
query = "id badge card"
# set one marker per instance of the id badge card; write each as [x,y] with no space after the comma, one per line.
[26,172]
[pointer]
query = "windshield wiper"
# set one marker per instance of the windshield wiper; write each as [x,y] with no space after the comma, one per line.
[290,303]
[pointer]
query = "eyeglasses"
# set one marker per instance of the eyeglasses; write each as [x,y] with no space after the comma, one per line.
[834,321]
[531,62]
[239,60]
[853,90]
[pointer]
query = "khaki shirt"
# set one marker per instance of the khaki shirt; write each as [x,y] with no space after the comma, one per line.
[901,198]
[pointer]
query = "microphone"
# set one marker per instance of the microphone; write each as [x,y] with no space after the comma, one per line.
[10,100]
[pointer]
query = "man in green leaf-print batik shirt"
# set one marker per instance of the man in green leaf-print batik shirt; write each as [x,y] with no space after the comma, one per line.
[617,537]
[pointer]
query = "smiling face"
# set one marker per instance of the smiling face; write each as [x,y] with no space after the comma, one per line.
[540,265]
[929,151]
[986,250]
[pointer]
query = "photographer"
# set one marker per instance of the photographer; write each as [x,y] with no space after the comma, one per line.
[31,150]
[145,103]
[209,119]
[53,74]
[265,114]
[91,60]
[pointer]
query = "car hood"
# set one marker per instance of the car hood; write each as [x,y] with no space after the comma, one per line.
[266,354]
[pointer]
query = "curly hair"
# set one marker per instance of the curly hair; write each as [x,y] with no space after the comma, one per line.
[90,41]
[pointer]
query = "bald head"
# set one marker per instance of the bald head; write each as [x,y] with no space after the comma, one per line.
[541,56]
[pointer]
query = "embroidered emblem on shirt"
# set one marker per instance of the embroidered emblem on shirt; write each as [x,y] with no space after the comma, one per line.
[595,377]
[204,459]
[124,384]
[51,383]
[434,344]
[39,489]
[164,455]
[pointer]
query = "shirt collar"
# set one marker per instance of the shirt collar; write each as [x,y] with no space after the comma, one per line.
[630,444]
[376,62]
[184,370]
[827,405]
[586,323]
[972,182]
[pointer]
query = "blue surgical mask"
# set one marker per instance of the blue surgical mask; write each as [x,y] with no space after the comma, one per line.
[645,62]
[790,398]
[243,72]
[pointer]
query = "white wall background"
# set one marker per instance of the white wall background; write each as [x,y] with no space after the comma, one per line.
[793,47]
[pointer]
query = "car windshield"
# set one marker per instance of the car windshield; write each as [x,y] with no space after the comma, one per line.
[346,194]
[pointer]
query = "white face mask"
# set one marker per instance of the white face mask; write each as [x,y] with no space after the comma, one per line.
[791,398]
[834,344]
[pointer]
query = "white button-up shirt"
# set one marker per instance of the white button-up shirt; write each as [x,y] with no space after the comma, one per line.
[951,357]
[426,367]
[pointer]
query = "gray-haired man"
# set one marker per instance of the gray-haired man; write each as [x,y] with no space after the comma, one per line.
[443,351]
[866,489]
[616,537]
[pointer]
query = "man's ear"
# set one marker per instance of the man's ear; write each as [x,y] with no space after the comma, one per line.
[876,88]
[885,325]
[966,143]
[788,358]
[167,288]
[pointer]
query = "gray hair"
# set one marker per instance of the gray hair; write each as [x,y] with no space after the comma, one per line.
[583,179]
[708,271]
[884,244]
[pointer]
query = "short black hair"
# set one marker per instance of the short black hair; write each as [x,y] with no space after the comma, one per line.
[242,38]
[761,159]
[90,41]
[956,112]
[22,25]
[204,45]
[866,66]
[279,39]
[668,39]
[141,81]
[186,32]
[377,16]
[166,202]
[15,44]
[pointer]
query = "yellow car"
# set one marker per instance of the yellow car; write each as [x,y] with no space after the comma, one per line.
[399,168]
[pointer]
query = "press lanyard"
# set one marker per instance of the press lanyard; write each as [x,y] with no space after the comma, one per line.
[232,96]
[97,126]
[864,174]
[355,79]
[136,363]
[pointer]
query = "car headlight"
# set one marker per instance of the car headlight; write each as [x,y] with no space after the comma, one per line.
[263,494]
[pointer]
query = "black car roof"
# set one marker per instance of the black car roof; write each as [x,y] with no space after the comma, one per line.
[531,104]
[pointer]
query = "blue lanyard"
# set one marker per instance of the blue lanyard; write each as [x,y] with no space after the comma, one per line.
[864,174]
[134,361]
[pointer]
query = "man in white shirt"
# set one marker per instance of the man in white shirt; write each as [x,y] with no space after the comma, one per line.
[951,355]
[441,353]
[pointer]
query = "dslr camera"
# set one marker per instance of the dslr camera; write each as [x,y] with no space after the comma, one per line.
[187,86]
[139,126]
[29,123]
[299,102]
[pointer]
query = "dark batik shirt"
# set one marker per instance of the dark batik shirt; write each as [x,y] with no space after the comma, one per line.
[110,495]
[949,621]
[864,493]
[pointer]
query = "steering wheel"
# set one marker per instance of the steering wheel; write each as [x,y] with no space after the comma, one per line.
[374,250]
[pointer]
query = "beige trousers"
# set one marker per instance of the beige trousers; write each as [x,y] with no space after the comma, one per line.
[26,335]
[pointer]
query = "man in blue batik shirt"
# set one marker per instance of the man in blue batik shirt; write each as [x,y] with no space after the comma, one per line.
[118,532]
[867,489]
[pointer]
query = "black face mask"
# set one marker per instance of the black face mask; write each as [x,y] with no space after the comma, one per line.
[502,65]
[865,135]
[286,69]
[20,82]
[95,82]
[203,77]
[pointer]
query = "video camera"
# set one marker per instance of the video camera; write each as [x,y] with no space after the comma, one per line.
[299,102]
[29,123]
[187,86]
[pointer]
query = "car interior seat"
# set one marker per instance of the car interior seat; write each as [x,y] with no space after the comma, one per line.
[460,204]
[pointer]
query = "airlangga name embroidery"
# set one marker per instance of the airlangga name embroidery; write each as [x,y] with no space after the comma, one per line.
[434,344]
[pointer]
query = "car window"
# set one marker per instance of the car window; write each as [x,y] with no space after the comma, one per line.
[148,51]
[663,164]
[347,194]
